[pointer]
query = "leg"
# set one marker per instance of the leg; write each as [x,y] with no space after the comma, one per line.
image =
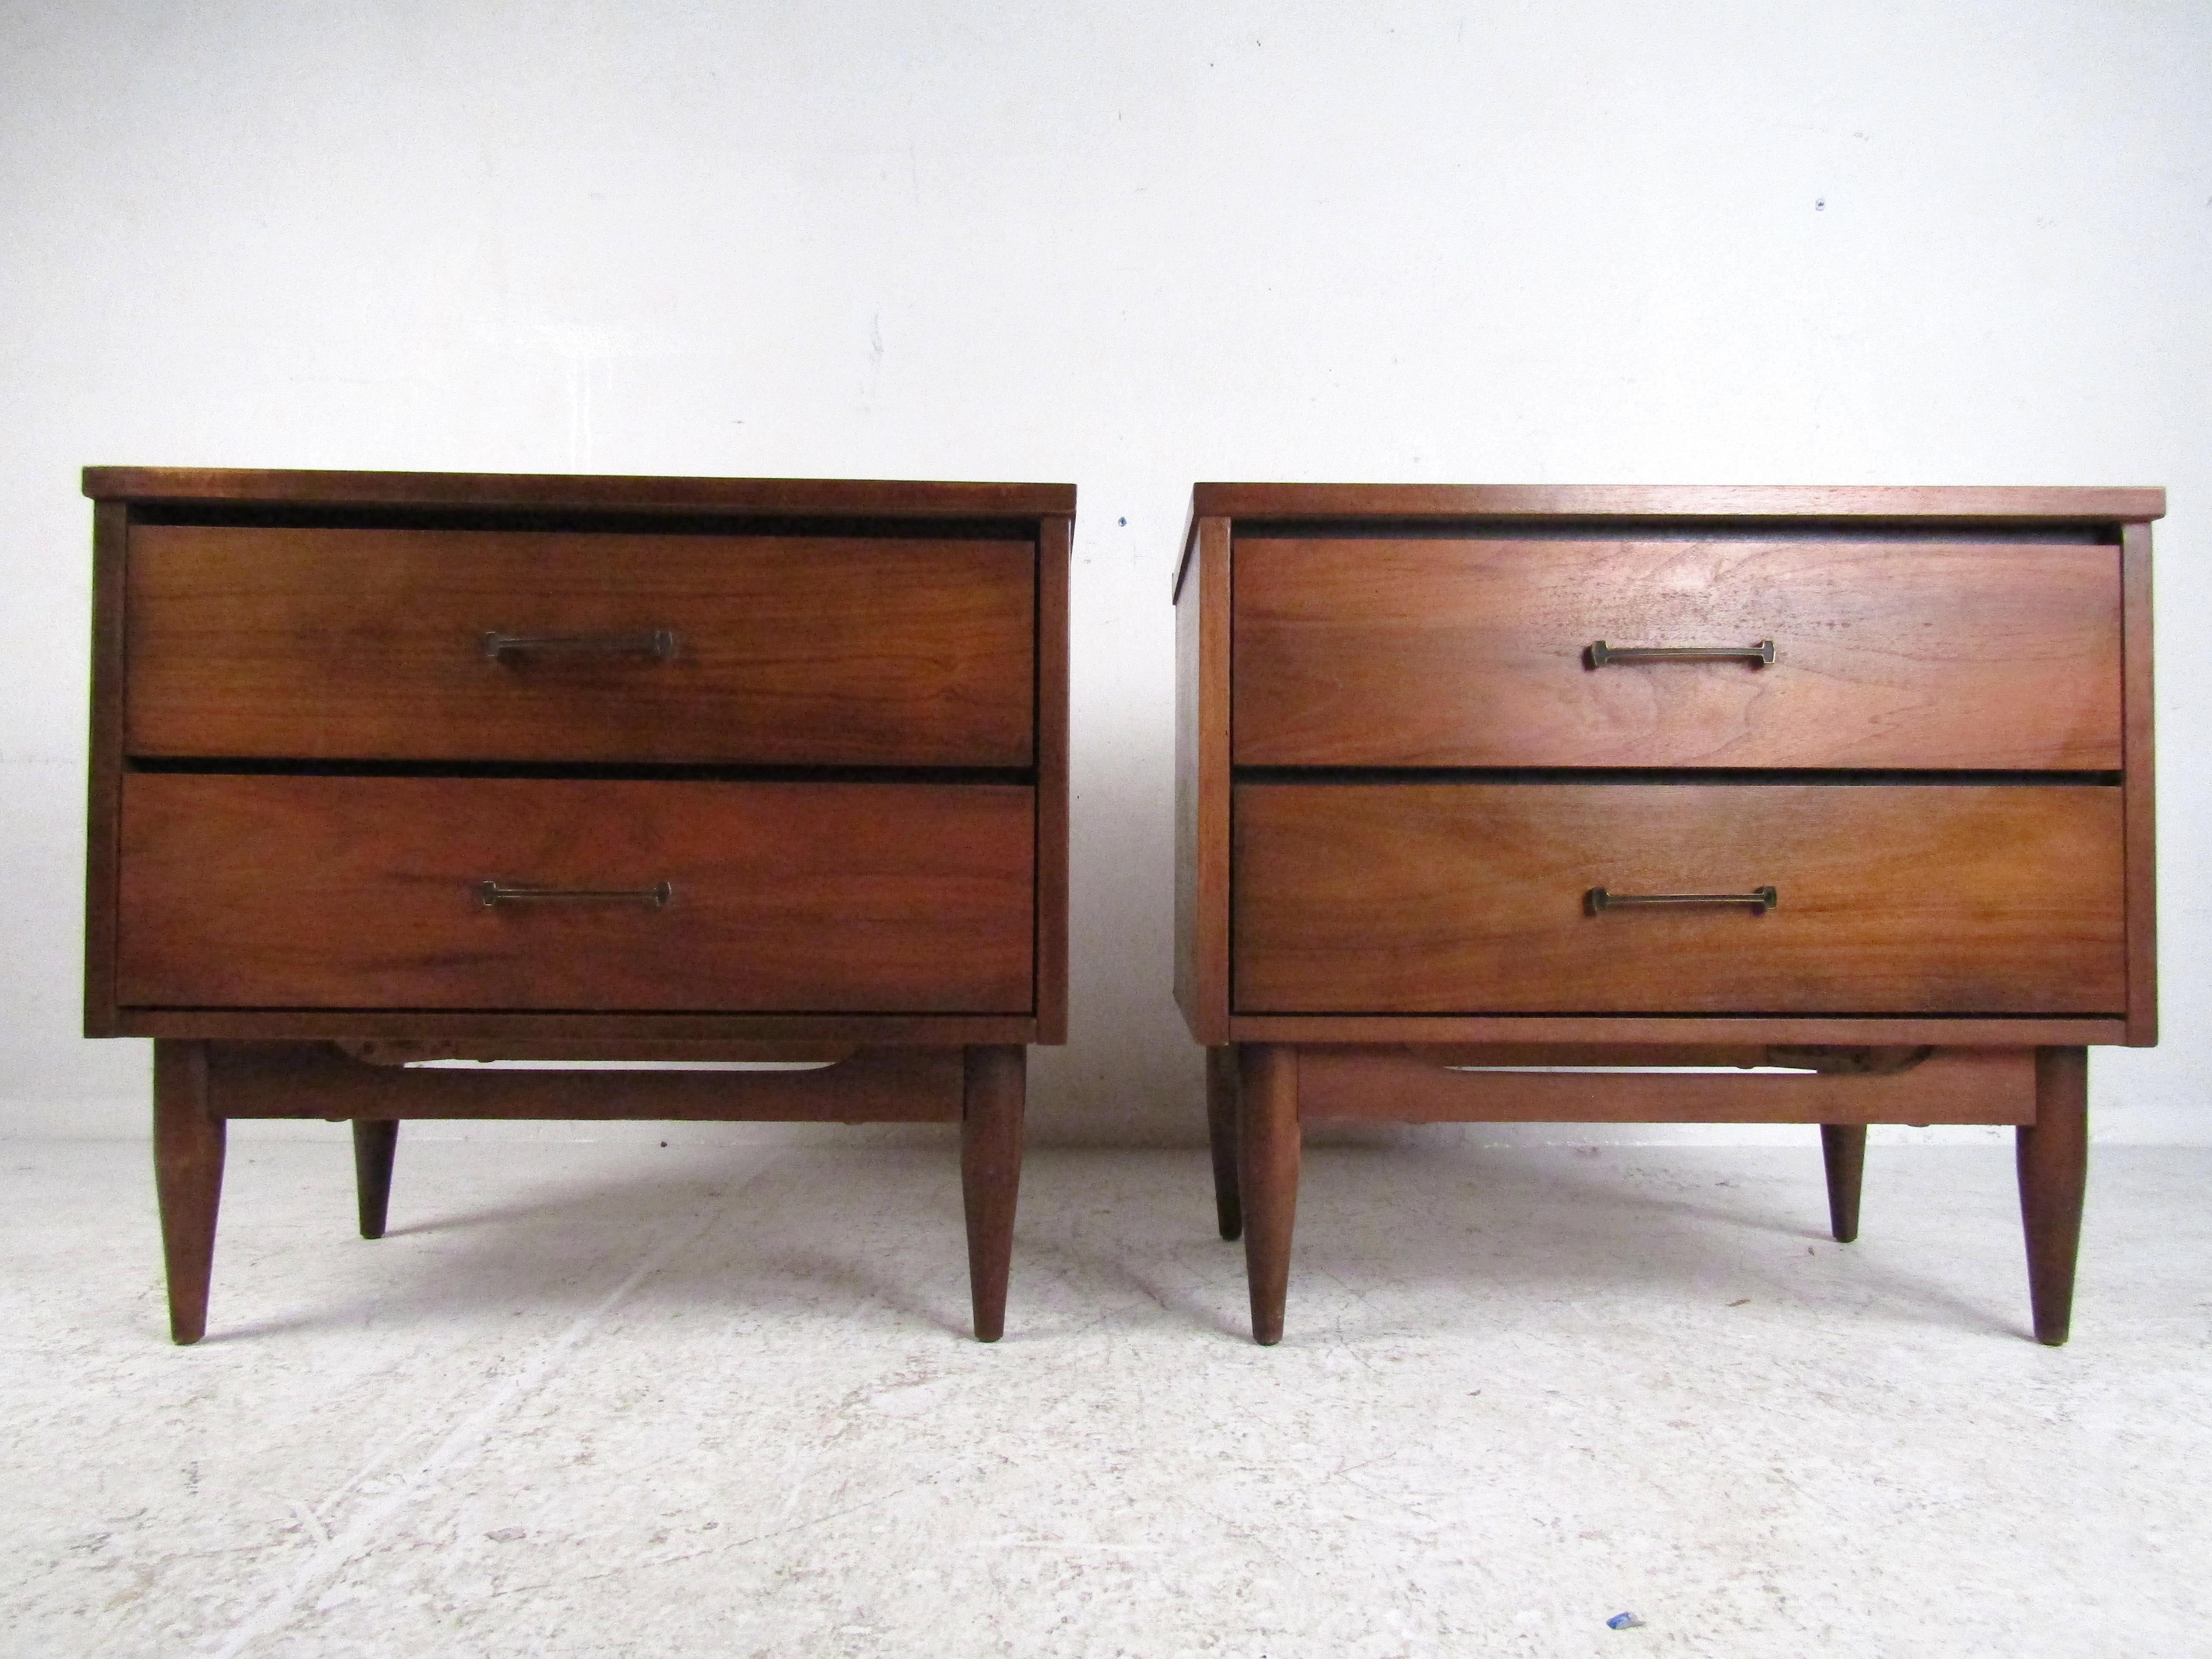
[2054,1161]
[1221,1132]
[374,1140]
[188,1138]
[991,1177]
[1843,1149]
[1267,1126]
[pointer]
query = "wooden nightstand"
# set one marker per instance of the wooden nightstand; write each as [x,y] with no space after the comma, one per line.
[1851,782]
[391,767]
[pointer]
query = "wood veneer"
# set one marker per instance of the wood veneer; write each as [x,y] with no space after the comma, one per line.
[352,892]
[1400,771]
[1907,899]
[1901,654]
[358,643]
[822,819]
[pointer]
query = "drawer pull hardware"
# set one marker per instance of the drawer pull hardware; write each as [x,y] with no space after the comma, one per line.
[1602,655]
[499,892]
[1760,899]
[660,645]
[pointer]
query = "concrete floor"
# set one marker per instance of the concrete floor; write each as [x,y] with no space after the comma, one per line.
[717,1399]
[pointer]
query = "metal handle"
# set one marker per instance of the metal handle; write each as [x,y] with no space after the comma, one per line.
[660,644]
[1601,655]
[1760,899]
[499,892]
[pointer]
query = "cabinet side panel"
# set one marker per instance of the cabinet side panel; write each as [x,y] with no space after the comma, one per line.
[2142,828]
[1054,535]
[1202,786]
[111,530]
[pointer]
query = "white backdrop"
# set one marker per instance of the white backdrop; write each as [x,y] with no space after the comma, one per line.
[1124,245]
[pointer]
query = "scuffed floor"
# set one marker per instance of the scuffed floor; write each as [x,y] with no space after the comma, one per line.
[719,1400]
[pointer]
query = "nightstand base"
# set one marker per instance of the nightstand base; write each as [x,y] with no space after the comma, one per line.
[1261,1096]
[199,1086]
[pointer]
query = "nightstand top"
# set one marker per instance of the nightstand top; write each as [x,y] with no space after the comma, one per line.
[792,497]
[1976,503]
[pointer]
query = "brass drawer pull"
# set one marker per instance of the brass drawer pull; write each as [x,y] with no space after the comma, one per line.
[660,645]
[1760,899]
[499,892]
[1602,655]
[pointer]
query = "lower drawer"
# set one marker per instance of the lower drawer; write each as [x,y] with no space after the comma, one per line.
[370,892]
[1476,898]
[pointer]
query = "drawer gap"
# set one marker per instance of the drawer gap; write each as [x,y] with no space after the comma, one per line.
[233,766]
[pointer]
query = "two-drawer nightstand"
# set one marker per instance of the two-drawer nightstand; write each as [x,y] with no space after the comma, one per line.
[1848,786]
[392,769]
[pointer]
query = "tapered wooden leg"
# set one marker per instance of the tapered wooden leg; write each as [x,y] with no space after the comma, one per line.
[2054,1164]
[1221,1132]
[1843,1149]
[374,1140]
[188,1142]
[1267,1131]
[991,1175]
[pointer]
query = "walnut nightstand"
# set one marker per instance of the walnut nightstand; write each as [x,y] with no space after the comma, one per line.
[1477,783]
[391,767]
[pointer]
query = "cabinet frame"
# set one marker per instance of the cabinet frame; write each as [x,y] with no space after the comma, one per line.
[1394,1067]
[347,1064]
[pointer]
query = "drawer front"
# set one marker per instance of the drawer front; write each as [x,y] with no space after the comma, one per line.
[366,892]
[1475,898]
[2002,656]
[373,644]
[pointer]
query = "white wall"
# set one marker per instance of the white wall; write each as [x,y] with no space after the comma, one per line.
[1127,246]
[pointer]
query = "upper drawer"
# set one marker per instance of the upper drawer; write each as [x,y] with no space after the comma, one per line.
[386,644]
[1896,654]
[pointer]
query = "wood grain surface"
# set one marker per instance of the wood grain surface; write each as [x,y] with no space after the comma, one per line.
[1897,503]
[369,644]
[1270,1148]
[315,1079]
[995,1093]
[104,766]
[1843,1161]
[1201,786]
[352,892]
[1964,1030]
[606,1035]
[1347,1083]
[1893,899]
[189,1138]
[836,498]
[2052,1158]
[375,1146]
[1056,538]
[1430,652]
[2141,786]
[1221,1086]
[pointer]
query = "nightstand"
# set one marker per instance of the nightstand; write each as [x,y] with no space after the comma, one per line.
[392,769]
[1849,787]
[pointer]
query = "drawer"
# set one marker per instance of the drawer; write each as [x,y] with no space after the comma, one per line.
[1900,654]
[373,644]
[368,893]
[1475,898]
